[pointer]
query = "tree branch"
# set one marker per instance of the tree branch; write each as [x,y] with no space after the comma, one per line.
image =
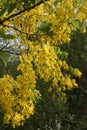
[84,91]
[11,52]
[70,121]
[22,11]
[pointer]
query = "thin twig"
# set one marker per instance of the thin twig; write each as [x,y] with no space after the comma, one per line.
[16,29]
[9,26]
[11,52]
[84,91]
[4,46]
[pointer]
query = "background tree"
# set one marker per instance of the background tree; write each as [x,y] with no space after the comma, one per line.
[77,58]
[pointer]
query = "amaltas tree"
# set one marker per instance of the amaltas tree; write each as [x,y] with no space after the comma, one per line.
[32,31]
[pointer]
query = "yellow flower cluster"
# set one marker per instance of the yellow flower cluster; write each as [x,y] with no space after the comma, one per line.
[62,15]
[18,96]
[49,68]
[68,83]
[28,73]
[45,62]
[13,1]
[77,73]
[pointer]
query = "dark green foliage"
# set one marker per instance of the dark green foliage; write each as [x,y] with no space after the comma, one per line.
[77,57]
[6,36]
[32,1]
[44,28]
[2,11]
[11,7]
[7,6]
[12,67]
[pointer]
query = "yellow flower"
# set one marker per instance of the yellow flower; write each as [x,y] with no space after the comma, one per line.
[58,90]
[77,73]
[13,1]
[49,89]
[63,88]
[74,83]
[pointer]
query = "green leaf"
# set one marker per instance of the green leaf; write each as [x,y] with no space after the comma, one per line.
[27,4]
[9,36]
[45,28]
[76,24]
[11,7]
[56,1]
[2,11]
[2,33]
[5,5]
[32,1]
[6,36]
[4,56]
